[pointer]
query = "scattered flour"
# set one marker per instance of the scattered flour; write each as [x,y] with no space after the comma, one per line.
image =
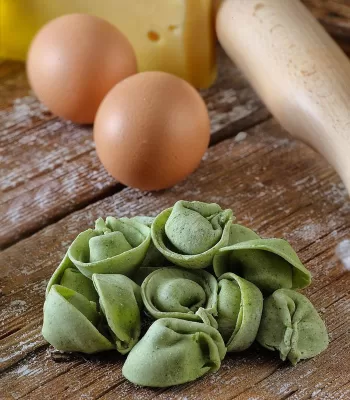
[206,156]
[241,136]
[258,184]
[307,181]
[16,307]
[40,287]
[337,194]
[229,108]
[343,253]
[20,348]
[24,110]
[308,232]
[57,126]
[18,303]
[284,388]
[25,370]
[316,392]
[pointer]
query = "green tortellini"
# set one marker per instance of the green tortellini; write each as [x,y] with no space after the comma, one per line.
[72,322]
[190,233]
[144,220]
[270,264]
[240,233]
[174,351]
[69,276]
[141,274]
[179,293]
[154,258]
[120,302]
[291,325]
[240,305]
[115,246]
[127,272]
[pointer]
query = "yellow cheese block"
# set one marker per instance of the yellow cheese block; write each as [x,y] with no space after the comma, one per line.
[175,36]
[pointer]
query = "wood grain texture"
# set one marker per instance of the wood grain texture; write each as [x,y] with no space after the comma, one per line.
[50,167]
[276,186]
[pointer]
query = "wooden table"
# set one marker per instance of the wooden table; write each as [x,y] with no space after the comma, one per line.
[53,187]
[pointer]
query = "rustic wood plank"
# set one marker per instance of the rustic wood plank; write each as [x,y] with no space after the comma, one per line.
[277,186]
[99,376]
[262,216]
[50,167]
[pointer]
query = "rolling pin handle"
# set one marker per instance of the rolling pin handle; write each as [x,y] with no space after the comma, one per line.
[296,68]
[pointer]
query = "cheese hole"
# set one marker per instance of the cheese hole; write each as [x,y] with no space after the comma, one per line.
[173,28]
[153,36]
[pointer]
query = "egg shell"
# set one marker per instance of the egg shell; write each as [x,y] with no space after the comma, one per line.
[151,130]
[74,61]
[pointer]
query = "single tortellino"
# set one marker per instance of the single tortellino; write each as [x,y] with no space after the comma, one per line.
[174,351]
[240,305]
[291,325]
[72,322]
[190,233]
[69,276]
[115,246]
[179,293]
[120,301]
[270,264]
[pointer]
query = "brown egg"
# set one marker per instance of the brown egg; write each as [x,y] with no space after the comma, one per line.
[74,61]
[151,130]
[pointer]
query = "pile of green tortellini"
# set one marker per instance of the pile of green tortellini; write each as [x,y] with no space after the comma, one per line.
[208,287]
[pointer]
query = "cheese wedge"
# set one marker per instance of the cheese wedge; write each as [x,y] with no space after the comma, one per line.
[175,36]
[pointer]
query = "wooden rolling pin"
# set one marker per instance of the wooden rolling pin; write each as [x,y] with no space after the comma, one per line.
[296,68]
